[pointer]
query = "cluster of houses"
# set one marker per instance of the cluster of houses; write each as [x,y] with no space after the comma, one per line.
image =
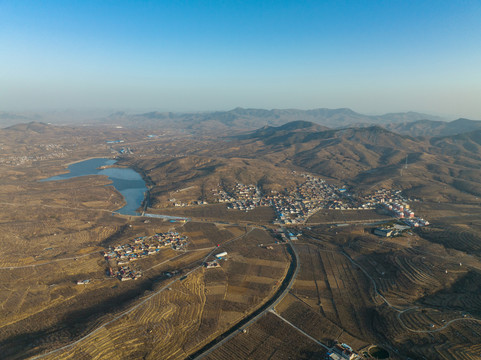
[243,197]
[383,195]
[141,247]
[312,195]
[291,207]
[24,159]
[403,211]
[125,273]
[125,150]
[295,206]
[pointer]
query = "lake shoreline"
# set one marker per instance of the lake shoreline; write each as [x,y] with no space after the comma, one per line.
[126,180]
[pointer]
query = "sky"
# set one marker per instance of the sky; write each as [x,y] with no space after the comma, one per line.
[371,56]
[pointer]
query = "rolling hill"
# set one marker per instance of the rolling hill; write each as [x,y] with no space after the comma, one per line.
[250,119]
[440,168]
[430,128]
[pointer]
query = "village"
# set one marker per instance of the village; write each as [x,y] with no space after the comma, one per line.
[295,206]
[123,255]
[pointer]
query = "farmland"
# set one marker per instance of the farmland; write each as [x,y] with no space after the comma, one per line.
[415,295]
[269,338]
[188,309]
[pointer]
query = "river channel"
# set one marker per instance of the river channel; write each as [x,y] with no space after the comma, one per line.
[125,180]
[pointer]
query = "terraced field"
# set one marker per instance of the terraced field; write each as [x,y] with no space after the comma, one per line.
[269,338]
[404,276]
[159,328]
[464,295]
[204,235]
[184,316]
[453,237]
[330,298]
[458,340]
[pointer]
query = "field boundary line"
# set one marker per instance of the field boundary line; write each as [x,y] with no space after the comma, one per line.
[49,262]
[128,311]
[300,330]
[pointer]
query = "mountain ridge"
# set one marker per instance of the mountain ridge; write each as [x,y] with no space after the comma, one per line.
[433,128]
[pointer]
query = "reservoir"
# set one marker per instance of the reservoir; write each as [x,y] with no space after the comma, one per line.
[126,181]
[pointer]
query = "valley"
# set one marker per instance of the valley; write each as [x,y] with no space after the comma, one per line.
[274,225]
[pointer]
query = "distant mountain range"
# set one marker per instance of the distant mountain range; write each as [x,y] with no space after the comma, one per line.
[434,128]
[249,119]
[240,119]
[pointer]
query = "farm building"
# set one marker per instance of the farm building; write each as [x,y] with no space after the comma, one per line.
[383,232]
[221,255]
[212,264]
[340,352]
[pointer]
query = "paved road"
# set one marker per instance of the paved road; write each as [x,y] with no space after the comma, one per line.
[140,303]
[236,329]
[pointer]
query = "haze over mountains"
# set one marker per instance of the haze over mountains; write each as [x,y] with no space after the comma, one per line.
[240,119]
[249,119]
[434,128]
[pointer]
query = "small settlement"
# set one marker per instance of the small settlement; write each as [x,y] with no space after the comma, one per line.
[314,194]
[123,255]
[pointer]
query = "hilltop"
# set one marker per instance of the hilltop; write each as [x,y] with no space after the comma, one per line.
[432,128]
[236,190]
[250,119]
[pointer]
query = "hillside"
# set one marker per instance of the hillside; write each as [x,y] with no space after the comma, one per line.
[430,128]
[333,153]
[232,188]
[250,119]
[32,126]
[443,168]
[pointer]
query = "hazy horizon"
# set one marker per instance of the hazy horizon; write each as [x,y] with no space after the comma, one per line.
[138,111]
[373,58]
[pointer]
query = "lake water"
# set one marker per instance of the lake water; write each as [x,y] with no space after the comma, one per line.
[127,181]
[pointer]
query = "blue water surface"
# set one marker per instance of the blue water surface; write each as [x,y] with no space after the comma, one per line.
[127,181]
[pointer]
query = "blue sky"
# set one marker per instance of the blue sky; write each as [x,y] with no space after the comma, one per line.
[371,56]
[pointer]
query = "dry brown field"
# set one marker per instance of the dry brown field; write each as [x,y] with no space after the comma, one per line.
[219,212]
[189,312]
[417,294]
[346,216]
[429,305]
[269,338]
[333,297]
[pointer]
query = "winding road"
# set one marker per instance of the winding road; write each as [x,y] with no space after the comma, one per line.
[268,306]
